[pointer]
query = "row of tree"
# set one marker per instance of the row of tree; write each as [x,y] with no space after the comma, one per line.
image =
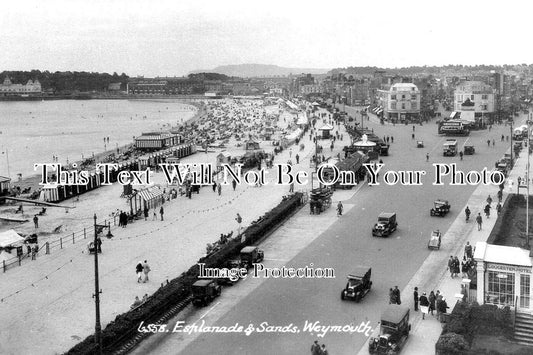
[67,82]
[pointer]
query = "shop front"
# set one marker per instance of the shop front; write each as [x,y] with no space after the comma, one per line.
[504,276]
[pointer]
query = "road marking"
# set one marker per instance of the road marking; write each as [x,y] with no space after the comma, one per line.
[210,309]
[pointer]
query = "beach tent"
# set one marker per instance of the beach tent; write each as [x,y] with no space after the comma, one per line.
[325,131]
[10,238]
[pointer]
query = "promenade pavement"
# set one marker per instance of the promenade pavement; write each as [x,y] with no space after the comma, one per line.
[49,300]
[433,274]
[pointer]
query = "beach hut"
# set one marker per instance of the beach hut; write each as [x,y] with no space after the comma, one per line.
[324,132]
[4,184]
[150,197]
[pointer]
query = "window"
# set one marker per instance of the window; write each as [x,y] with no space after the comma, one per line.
[393,97]
[393,105]
[472,97]
[403,105]
[413,105]
[501,288]
[413,97]
[459,98]
[484,97]
[524,291]
[403,97]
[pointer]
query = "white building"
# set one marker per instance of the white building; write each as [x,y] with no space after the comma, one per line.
[401,102]
[474,96]
[7,88]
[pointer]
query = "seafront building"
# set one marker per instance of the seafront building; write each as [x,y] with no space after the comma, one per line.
[8,88]
[401,102]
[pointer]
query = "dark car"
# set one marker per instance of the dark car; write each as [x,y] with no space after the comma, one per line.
[440,208]
[251,255]
[393,331]
[386,225]
[469,149]
[358,285]
[205,291]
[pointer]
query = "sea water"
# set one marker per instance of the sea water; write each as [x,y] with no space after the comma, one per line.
[35,131]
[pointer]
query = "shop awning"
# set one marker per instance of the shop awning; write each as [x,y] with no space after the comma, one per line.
[453,114]
[150,193]
[379,111]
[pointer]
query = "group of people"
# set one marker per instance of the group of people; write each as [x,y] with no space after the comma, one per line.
[316,349]
[122,219]
[140,269]
[394,296]
[429,304]
[137,302]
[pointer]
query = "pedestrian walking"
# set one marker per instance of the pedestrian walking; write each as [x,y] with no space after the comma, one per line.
[488,142]
[493,142]
[161,212]
[487,210]
[339,208]
[214,186]
[391,139]
[413,136]
[468,250]
[219,189]
[291,187]
[498,208]
[500,195]
[415,298]
[427,156]
[479,221]
[154,218]
[464,267]
[503,138]
[461,155]
[234,184]
[397,295]
[139,271]
[36,221]
[324,351]
[424,305]
[146,270]
[456,266]
[432,300]
[489,200]
[146,211]
[451,266]
[297,159]
[413,128]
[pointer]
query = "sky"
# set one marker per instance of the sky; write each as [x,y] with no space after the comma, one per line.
[172,38]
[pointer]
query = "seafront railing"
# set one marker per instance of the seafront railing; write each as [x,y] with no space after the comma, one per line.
[34,251]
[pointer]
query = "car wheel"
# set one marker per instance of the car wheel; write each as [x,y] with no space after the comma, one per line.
[342,296]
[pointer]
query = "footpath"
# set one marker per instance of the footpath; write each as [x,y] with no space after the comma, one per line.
[433,274]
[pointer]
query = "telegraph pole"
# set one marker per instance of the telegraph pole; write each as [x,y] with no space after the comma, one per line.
[96,295]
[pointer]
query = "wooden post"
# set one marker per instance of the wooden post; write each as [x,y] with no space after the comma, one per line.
[47,250]
[84,234]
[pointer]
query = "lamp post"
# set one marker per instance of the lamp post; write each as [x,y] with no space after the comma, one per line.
[96,295]
[527,181]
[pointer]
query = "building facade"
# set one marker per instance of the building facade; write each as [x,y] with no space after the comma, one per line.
[474,96]
[504,276]
[401,102]
[32,87]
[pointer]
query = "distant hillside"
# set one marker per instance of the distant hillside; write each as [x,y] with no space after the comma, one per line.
[258,70]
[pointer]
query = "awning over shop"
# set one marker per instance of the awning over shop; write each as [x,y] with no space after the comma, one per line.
[150,193]
[467,116]
[379,111]
[453,114]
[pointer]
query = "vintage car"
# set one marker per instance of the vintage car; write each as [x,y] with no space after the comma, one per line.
[469,149]
[419,144]
[434,240]
[386,225]
[205,291]
[251,255]
[441,208]
[229,281]
[393,331]
[358,284]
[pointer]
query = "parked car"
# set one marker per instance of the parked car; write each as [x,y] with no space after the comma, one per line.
[440,208]
[434,240]
[393,331]
[251,255]
[205,291]
[358,284]
[386,225]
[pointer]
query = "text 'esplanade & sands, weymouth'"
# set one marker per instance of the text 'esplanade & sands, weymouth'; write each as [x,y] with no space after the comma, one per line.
[327,174]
